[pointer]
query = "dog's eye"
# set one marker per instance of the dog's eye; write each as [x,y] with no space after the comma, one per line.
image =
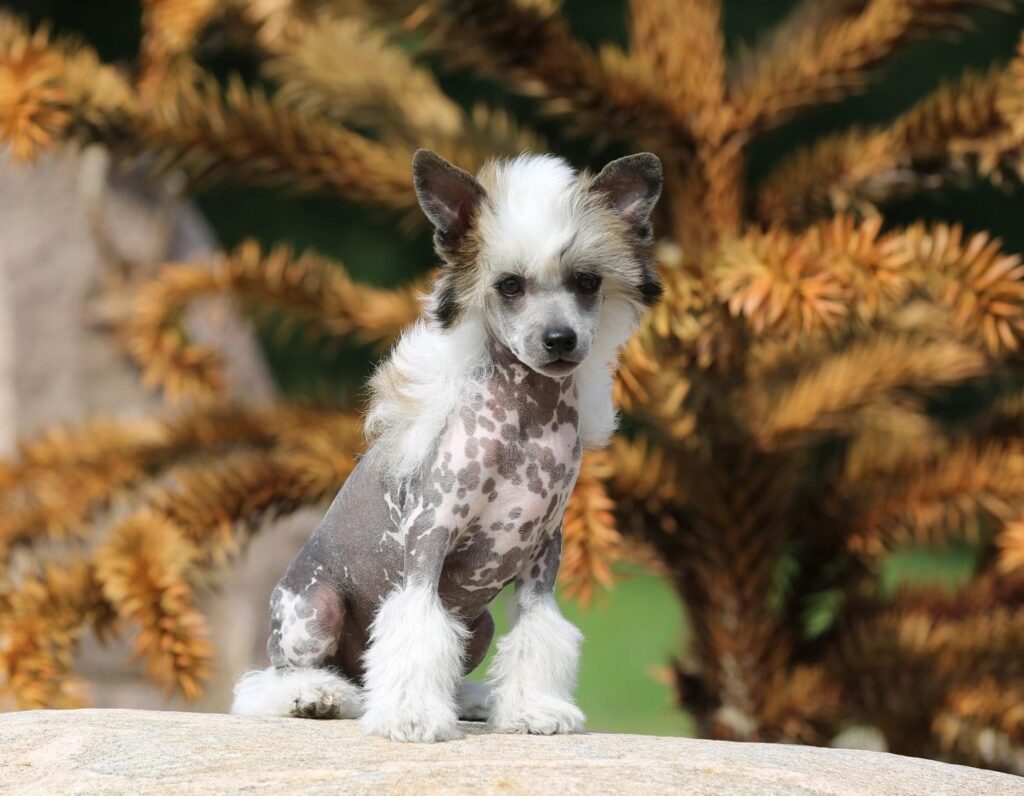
[587,282]
[510,286]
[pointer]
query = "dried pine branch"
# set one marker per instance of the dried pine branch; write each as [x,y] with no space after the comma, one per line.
[964,493]
[148,568]
[346,69]
[825,395]
[960,131]
[823,54]
[170,31]
[193,127]
[143,569]
[63,480]
[529,46]
[680,45]
[54,88]
[905,662]
[343,68]
[41,624]
[307,288]
[258,140]
[647,488]
[591,544]
[982,286]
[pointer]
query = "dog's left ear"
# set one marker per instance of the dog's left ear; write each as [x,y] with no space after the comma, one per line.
[448,195]
[633,185]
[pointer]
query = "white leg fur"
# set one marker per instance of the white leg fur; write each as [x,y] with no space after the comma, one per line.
[474,700]
[413,667]
[534,672]
[304,693]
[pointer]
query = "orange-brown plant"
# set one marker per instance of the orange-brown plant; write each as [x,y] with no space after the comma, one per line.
[797,402]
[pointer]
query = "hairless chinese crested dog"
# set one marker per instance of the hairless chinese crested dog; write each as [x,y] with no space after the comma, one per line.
[477,424]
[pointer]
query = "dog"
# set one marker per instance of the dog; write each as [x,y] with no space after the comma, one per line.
[477,424]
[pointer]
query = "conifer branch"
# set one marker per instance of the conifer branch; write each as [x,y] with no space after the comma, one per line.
[63,480]
[965,493]
[529,46]
[961,131]
[143,568]
[680,45]
[170,31]
[41,624]
[147,569]
[308,288]
[825,395]
[63,93]
[343,68]
[827,50]
[591,544]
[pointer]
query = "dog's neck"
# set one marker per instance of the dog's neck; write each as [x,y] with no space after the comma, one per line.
[511,367]
[525,394]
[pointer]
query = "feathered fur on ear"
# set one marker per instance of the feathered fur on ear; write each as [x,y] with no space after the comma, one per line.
[448,196]
[633,185]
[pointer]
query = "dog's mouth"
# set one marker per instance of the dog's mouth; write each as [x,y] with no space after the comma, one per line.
[558,367]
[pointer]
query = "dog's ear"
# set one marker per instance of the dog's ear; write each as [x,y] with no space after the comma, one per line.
[633,185]
[448,195]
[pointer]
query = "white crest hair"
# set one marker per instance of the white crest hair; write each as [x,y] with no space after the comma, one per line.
[536,205]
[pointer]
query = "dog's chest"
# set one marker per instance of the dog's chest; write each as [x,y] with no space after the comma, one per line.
[502,475]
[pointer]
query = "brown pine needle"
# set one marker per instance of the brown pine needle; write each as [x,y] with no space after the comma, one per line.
[309,289]
[829,49]
[591,543]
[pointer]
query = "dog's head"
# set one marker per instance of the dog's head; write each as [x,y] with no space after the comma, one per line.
[541,253]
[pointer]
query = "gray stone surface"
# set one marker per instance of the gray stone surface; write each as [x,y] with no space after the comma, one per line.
[143,752]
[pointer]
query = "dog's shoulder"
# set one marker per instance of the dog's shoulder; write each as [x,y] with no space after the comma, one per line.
[416,389]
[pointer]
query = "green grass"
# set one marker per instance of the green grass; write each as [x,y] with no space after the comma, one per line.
[633,633]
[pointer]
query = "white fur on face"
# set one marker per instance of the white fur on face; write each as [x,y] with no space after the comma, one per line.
[541,222]
[531,215]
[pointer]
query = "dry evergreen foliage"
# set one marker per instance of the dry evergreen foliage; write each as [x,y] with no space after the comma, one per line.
[817,390]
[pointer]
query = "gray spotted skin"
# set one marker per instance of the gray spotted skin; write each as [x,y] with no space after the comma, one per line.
[484,510]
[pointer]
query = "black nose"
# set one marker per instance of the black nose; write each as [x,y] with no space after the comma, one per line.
[560,340]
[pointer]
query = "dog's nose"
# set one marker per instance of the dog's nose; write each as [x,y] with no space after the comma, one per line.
[561,340]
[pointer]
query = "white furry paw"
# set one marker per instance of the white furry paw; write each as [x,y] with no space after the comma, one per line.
[325,700]
[413,726]
[538,717]
[303,693]
[474,701]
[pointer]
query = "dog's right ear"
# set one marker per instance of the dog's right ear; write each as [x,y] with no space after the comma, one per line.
[448,195]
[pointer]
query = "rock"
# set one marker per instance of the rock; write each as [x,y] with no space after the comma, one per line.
[142,752]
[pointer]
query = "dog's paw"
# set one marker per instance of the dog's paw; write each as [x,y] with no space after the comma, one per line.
[316,702]
[414,728]
[327,699]
[540,717]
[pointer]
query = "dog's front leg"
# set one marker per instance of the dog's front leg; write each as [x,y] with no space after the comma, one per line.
[415,659]
[534,671]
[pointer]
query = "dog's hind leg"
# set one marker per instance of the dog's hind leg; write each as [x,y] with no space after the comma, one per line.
[473,698]
[305,631]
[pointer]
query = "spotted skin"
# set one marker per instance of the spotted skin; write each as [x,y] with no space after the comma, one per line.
[483,511]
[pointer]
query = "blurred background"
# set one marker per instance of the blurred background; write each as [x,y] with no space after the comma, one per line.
[73,260]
